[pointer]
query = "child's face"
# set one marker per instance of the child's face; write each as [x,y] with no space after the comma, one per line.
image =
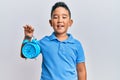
[60,20]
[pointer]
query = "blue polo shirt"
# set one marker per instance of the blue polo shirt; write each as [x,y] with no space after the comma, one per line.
[60,58]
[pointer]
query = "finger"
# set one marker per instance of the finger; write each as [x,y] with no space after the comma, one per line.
[31,30]
[25,27]
[28,28]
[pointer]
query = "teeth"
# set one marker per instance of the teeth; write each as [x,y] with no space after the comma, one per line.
[60,25]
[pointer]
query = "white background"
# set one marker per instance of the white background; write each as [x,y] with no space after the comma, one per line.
[96,25]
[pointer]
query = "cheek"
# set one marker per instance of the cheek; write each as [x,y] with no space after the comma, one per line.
[69,23]
[54,22]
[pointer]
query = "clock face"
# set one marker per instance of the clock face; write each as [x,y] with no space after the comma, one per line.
[29,50]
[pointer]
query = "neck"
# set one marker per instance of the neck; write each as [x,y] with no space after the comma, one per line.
[62,37]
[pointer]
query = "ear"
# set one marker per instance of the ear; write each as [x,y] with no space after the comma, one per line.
[50,21]
[70,22]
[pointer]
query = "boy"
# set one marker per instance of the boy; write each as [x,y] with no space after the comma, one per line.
[63,57]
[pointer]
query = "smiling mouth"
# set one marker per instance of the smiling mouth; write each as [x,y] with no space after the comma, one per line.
[59,26]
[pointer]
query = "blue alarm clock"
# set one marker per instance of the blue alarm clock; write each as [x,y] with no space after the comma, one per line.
[31,49]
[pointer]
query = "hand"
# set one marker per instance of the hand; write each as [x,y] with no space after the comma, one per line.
[28,30]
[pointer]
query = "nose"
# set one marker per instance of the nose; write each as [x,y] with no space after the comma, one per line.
[59,19]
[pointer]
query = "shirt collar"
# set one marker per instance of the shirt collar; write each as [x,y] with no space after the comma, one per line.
[69,40]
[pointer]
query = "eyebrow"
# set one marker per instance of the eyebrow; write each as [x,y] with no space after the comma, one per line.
[62,15]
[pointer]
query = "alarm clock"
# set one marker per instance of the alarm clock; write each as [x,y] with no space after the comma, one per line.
[31,49]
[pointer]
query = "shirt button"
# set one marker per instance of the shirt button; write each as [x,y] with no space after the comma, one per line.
[61,47]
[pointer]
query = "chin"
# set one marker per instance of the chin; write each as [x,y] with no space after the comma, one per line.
[60,32]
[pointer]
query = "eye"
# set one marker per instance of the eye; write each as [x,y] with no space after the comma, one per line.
[64,17]
[55,17]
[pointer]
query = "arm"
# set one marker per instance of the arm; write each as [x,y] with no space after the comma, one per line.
[28,38]
[28,31]
[81,71]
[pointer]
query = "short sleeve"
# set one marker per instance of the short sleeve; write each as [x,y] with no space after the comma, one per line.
[80,54]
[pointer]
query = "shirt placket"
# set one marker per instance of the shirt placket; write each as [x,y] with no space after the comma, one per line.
[61,48]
